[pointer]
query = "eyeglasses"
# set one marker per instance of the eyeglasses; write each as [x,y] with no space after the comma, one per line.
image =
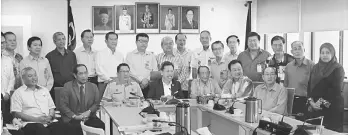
[122,71]
[269,74]
[143,41]
[217,49]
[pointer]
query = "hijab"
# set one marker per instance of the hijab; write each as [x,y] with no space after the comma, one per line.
[324,69]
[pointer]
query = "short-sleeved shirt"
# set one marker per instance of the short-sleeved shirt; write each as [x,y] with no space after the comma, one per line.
[16,59]
[7,75]
[122,91]
[217,68]
[87,58]
[274,99]
[241,87]
[141,64]
[250,65]
[34,103]
[229,56]
[297,76]
[199,88]
[187,57]
[280,66]
[202,57]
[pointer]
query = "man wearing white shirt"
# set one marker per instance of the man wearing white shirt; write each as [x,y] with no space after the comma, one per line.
[7,77]
[86,55]
[233,44]
[202,56]
[107,61]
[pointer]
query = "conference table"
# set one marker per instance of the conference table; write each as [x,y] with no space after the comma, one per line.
[218,122]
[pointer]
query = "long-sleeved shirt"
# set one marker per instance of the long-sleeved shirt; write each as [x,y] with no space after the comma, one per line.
[274,99]
[16,59]
[241,87]
[62,66]
[187,57]
[7,75]
[141,64]
[179,68]
[107,62]
[88,59]
[42,68]
[199,88]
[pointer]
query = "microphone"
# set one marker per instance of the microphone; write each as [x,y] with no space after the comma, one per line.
[134,94]
[174,124]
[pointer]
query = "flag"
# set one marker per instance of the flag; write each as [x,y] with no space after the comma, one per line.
[248,24]
[71,29]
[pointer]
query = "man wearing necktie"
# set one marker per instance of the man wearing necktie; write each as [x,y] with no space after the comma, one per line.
[189,22]
[80,101]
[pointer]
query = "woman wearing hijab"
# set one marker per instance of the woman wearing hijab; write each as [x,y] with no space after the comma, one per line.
[325,89]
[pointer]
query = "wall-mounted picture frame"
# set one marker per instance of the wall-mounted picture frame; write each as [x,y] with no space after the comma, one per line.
[103,19]
[147,17]
[169,19]
[125,19]
[190,19]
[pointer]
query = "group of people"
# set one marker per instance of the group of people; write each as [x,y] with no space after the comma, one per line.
[88,77]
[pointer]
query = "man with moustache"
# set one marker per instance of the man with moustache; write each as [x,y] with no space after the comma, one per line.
[86,55]
[141,62]
[233,44]
[187,56]
[253,59]
[297,74]
[107,61]
[9,51]
[62,62]
[202,56]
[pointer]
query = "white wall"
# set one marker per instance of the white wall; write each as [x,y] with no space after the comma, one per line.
[221,17]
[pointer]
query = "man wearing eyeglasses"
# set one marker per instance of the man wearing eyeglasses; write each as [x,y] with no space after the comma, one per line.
[218,65]
[141,62]
[274,96]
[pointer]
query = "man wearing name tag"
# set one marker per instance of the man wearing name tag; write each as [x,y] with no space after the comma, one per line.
[274,96]
[166,86]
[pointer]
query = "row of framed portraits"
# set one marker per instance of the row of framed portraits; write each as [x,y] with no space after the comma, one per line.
[146,18]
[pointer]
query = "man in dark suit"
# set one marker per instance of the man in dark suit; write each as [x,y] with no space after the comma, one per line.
[189,23]
[80,101]
[166,86]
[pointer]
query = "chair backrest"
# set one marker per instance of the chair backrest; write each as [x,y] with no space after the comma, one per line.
[189,88]
[257,83]
[57,95]
[87,130]
[291,94]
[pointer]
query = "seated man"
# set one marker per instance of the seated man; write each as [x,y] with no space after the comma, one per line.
[239,86]
[166,86]
[121,88]
[33,104]
[204,85]
[274,96]
[80,101]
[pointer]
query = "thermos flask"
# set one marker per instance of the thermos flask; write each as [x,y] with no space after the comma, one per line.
[183,117]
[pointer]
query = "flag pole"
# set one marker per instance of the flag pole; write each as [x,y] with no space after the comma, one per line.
[248,23]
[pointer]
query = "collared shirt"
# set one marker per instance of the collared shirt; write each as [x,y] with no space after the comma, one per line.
[107,62]
[229,56]
[84,87]
[280,66]
[180,69]
[42,68]
[122,91]
[34,103]
[250,65]
[199,88]
[238,88]
[62,66]
[274,99]
[87,58]
[297,76]
[16,59]
[141,64]
[216,69]
[187,57]
[167,88]
[202,57]
[7,75]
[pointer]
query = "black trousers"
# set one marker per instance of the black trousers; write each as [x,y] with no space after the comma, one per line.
[186,94]
[299,106]
[92,122]
[57,128]
[145,91]
[16,132]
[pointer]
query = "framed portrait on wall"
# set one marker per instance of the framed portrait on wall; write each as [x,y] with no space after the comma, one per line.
[125,19]
[147,17]
[169,19]
[103,19]
[190,19]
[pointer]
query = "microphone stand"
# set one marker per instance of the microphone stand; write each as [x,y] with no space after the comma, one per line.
[173,124]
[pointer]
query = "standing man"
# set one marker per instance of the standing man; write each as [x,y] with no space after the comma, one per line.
[253,59]
[62,62]
[141,62]
[187,56]
[218,65]
[86,55]
[80,101]
[297,74]
[233,44]
[107,61]
[7,75]
[202,56]
[9,51]
[280,59]
[39,63]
